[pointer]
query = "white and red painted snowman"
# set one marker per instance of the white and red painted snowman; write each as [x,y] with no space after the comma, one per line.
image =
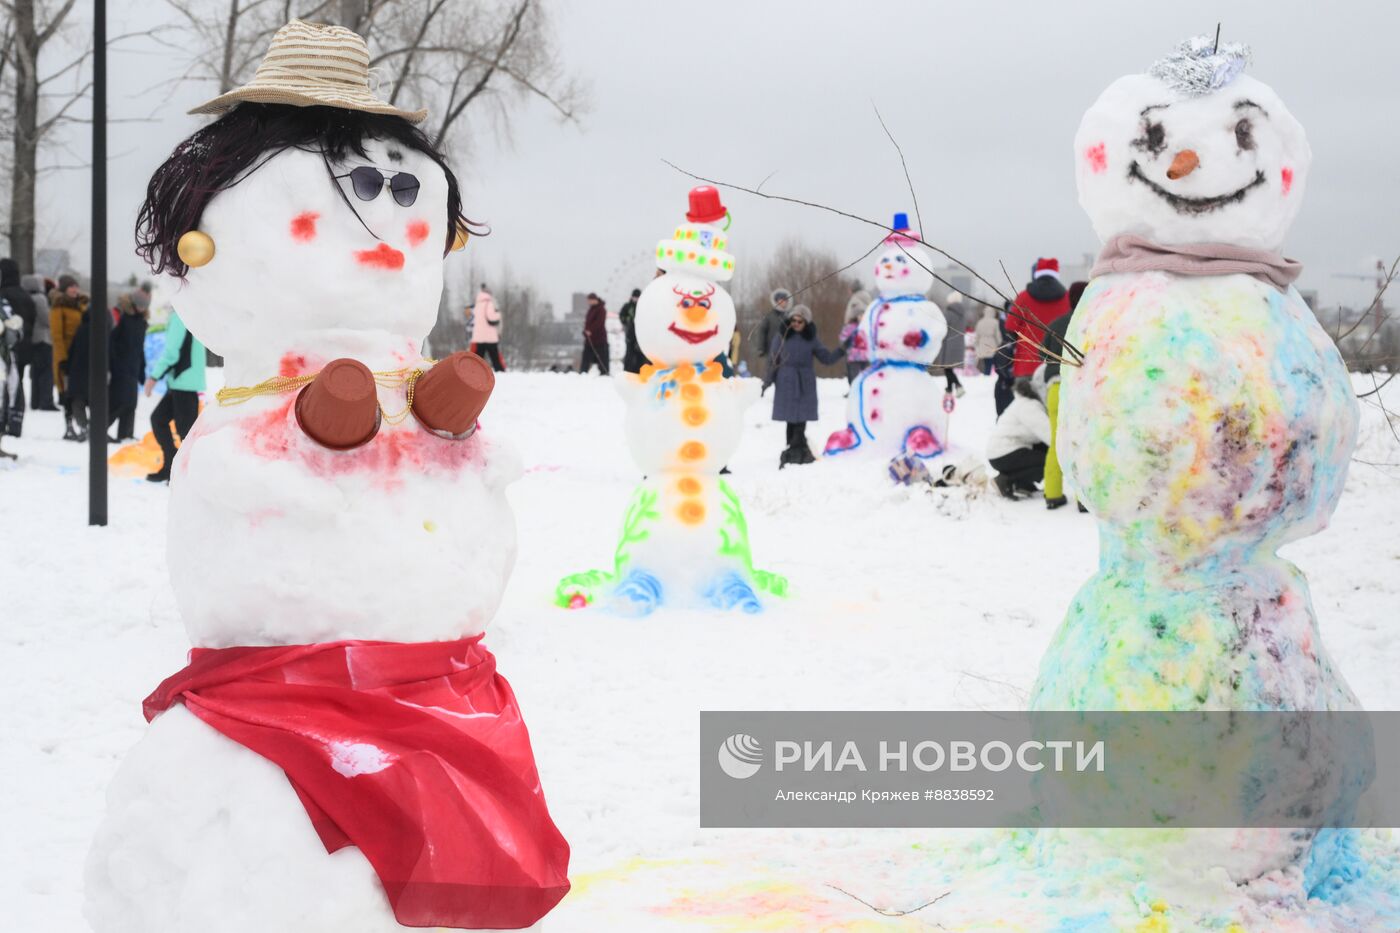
[340,753]
[896,405]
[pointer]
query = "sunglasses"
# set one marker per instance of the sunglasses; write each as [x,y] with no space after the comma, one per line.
[368,181]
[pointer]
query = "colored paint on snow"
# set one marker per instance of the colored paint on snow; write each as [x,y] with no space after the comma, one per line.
[417,231]
[1286,176]
[695,415]
[691,450]
[1097,157]
[691,513]
[303,227]
[382,256]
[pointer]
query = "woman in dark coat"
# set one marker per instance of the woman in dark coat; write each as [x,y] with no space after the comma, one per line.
[128,363]
[793,374]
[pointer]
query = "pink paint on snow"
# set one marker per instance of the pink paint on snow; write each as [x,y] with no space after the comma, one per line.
[1287,175]
[1097,157]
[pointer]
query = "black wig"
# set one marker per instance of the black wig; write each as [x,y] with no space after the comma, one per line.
[240,142]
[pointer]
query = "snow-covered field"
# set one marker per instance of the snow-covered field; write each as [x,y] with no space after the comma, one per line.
[903,599]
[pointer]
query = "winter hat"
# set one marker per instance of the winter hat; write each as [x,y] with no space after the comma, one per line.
[698,246]
[636,293]
[65,281]
[801,311]
[779,294]
[1046,266]
[902,233]
[313,65]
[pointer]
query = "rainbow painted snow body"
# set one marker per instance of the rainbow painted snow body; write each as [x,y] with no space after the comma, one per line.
[895,406]
[1211,423]
[684,540]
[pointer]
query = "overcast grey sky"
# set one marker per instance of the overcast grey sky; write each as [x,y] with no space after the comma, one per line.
[984,97]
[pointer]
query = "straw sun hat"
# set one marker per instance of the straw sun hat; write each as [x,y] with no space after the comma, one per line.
[312,65]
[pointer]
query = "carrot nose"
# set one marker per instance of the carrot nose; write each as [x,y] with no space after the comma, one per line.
[1184,164]
[696,314]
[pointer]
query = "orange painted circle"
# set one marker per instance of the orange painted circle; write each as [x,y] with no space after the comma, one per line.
[684,372]
[692,392]
[692,513]
[696,415]
[689,485]
[692,450]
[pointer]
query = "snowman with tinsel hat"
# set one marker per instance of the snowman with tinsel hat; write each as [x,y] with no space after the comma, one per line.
[1209,422]
[685,540]
[339,755]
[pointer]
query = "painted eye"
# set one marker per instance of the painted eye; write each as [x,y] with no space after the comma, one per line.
[687,303]
[705,303]
[1244,135]
[901,260]
[1153,138]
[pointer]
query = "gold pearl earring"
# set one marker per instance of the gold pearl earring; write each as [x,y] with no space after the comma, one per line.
[459,242]
[195,248]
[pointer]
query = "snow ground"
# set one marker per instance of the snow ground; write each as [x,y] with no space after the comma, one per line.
[903,599]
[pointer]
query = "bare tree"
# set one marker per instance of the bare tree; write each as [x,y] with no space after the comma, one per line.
[38,104]
[446,55]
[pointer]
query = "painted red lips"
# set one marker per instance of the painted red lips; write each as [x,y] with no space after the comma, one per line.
[382,256]
[692,336]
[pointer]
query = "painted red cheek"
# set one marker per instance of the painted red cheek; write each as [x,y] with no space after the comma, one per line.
[418,231]
[1097,157]
[1287,174]
[304,226]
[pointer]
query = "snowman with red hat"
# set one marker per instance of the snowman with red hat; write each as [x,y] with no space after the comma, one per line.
[685,541]
[896,407]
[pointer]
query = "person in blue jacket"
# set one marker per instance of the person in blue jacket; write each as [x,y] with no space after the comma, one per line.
[181,366]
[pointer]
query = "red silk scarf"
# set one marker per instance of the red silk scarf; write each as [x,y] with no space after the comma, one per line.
[414,753]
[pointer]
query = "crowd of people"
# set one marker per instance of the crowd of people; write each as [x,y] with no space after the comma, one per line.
[48,327]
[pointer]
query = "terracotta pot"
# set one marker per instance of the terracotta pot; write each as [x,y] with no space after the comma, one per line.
[448,398]
[339,409]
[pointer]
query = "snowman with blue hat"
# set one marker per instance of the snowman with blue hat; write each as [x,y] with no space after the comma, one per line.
[896,406]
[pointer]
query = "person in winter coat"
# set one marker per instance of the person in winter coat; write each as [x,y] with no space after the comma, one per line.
[773,325]
[1055,347]
[794,376]
[1020,441]
[1002,362]
[950,357]
[67,305]
[986,339]
[486,324]
[127,364]
[1041,302]
[21,304]
[595,336]
[857,356]
[181,365]
[632,357]
[41,347]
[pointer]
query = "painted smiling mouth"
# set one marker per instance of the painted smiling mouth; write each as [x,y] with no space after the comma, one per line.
[691,336]
[1184,205]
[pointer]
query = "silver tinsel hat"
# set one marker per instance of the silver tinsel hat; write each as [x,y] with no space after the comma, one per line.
[1198,66]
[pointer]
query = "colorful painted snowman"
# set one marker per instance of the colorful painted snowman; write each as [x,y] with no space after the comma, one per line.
[684,541]
[896,405]
[340,755]
[1211,422]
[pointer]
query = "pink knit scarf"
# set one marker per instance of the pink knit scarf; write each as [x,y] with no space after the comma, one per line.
[1131,253]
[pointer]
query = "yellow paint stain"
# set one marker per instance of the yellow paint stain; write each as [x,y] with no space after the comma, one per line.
[692,512]
[429,525]
[1153,924]
[695,415]
[689,486]
[692,392]
[692,450]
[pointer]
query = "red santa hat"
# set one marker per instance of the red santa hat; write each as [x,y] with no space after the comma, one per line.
[1046,266]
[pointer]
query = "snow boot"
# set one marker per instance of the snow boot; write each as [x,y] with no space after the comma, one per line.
[1006,487]
[1054,502]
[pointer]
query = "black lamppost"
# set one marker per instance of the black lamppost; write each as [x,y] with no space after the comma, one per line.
[99,318]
